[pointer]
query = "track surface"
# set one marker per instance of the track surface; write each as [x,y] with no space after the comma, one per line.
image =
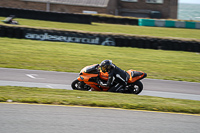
[24,118]
[62,80]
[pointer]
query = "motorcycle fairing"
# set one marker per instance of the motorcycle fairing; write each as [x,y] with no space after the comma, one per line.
[88,75]
[103,76]
[92,69]
[135,75]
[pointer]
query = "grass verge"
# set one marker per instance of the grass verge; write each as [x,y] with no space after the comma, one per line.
[113,28]
[94,99]
[71,57]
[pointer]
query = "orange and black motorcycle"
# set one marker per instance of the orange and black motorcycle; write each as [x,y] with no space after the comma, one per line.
[90,75]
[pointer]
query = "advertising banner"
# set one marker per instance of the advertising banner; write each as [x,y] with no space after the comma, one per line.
[67,37]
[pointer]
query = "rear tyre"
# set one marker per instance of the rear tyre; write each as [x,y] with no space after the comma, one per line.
[136,87]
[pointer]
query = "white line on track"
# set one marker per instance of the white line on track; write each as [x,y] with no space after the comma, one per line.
[49,86]
[33,76]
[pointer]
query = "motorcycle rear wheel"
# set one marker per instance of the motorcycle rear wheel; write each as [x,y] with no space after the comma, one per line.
[136,87]
[78,85]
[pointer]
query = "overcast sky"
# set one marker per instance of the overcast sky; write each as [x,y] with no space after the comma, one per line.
[190,1]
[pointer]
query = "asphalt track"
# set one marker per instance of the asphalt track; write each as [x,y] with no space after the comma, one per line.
[62,80]
[27,118]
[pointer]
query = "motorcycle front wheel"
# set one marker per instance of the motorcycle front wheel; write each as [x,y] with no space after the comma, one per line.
[78,85]
[136,87]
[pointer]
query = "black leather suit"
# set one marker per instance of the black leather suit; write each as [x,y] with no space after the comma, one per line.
[117,79]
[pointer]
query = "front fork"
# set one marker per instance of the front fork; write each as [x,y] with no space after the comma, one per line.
[82,86]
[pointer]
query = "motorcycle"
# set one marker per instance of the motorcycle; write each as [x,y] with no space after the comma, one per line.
[89,78]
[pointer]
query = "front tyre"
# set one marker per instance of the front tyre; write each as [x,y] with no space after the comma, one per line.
[78,85]
[136,87]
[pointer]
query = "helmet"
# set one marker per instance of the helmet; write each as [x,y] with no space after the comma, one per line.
[106,65]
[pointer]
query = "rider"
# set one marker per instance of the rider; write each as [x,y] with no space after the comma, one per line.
[115,74]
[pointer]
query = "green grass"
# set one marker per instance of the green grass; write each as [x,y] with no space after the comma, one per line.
[71,57]
[114,28]
[100,99]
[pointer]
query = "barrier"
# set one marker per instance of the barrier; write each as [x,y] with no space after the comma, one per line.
[197,26]
[169,23]
[160,23]
[179,24]
[146,22]
[191,25]
[49,16]
[98,39]
[113,20]
[64,17]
